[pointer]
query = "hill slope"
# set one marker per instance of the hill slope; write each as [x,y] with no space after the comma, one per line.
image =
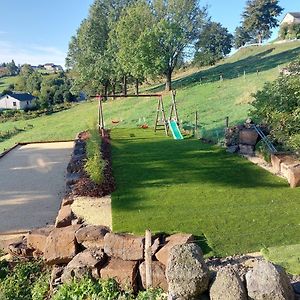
[199,90]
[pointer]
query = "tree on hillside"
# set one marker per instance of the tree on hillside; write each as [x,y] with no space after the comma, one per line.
[177,26]
[135,20]
[89,50]
[241,37]
[12,68]
[259,17]
[214,43]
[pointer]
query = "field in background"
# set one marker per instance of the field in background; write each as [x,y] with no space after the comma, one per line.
[6,81]
[196,90]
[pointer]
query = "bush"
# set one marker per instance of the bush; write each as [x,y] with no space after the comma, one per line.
[95,164]
[278,106]
[18,282]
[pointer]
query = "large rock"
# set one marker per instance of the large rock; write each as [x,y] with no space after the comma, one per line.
[64,217]
[287,163]
[268,282]
[248,137]
[176,239]
[4,244]
[187,274]
[124,246]
[61,245]
[159,279]
[92,236]
[36,238]
[294,176]
[228,286]
[276,160]
[246,149]
[124,272]
[83,264]
[20,249]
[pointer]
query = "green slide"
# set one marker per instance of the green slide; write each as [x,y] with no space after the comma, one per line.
[175,130]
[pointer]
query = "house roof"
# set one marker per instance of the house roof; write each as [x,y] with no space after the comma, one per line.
[20,96]
[295,14]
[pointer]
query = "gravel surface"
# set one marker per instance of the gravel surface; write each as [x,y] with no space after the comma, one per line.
[32,184]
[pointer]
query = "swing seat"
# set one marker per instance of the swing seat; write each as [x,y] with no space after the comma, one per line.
[144,126]
[115,121]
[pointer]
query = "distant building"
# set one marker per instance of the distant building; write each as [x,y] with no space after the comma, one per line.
[291,18]
[52,67]
[16,100]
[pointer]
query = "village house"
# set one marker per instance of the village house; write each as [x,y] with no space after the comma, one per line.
[291,18]
[16,100]
[52,67]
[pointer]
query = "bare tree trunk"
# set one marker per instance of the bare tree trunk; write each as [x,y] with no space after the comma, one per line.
[169,80]
[125,85]
[105,90]
[136,86]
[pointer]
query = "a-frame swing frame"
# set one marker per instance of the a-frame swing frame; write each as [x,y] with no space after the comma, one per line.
[160,108]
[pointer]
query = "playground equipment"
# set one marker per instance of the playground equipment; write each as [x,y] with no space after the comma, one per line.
[161,122]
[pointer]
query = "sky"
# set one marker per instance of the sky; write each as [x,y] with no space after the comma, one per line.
[39,31]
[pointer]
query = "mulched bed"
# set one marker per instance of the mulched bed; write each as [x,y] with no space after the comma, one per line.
[85,186]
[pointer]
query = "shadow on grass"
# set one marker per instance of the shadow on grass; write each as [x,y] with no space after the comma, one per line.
[260,62]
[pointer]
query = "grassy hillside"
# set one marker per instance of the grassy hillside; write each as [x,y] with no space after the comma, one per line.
[196,90]
[6,81]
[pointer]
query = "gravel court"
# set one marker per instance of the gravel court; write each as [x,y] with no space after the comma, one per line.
[32,184]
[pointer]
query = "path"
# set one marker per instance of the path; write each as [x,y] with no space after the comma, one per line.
[32,185]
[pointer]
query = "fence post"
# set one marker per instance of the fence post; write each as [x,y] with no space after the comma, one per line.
[227,122]
[148,258]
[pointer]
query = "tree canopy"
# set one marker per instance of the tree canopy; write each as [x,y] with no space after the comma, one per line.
[259,17]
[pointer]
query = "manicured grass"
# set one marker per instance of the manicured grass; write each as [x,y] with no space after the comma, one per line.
[285,256]
[170,186]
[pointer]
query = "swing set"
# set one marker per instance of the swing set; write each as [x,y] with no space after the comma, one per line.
[161,122]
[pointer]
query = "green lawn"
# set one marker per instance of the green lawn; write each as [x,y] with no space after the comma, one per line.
[170,186]
[6,81]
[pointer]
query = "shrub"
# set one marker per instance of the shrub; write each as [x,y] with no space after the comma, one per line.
[95,164]
[278,106]
[18,282]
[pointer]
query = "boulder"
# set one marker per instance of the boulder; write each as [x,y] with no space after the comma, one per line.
[4,244]
[187,274]
[20,249]
[294,176]
[64,217]
[232,149]
[176,239]
[248,137]
[268,282]
[246,149]
[61,245]
[36,238]
[67,200]
[124,272]
[92,236]
[287,163]
[159,279]
[276,160]
[228,286]
[124,246]
[83,264]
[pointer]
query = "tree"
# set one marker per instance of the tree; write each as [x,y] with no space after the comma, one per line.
[214,43]
[241,37]
[12,68]
[178,24]
[259,17]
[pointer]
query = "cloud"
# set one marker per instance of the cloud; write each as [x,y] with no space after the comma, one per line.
[32,54]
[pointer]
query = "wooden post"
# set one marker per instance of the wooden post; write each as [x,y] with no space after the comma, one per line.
[196,124]
[227,122]
[100,116]
[244,74]
[148,259]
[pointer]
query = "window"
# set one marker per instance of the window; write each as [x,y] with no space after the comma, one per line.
[14,103]
[27,102]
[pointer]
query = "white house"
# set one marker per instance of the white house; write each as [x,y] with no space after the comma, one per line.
[16,100]
[291,18]
[52,67]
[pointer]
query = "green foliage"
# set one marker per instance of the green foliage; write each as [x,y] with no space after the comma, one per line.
[94,165]
[259,17]
[214,43]
[289,31]
[278,106]
[19,281]
[152,294]
[241,37]
[41,287]
[261,148]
